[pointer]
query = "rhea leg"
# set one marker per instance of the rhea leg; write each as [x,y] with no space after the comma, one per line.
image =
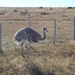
[35,50]
[22,48]
[27,50]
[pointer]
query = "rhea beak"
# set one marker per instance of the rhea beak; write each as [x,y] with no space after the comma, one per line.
[46,30]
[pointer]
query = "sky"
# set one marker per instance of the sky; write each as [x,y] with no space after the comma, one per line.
[37,3]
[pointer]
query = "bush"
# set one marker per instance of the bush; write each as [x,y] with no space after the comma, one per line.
[41,7]
[74,7]
[15,10]
[44,13]
[23,13]
[69,8]
[2,13]
[50,8]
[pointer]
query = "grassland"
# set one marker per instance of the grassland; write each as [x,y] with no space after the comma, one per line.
[56,59]
[15,18]
[53,60]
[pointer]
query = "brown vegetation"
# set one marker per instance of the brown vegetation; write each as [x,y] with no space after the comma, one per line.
[53,60]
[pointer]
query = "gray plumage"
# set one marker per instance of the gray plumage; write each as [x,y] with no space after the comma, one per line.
[26,35]
[29,34]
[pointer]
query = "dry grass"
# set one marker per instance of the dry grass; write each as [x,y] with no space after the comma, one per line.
[13,20]
[54,60]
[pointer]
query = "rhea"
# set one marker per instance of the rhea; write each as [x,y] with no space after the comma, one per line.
[28,35]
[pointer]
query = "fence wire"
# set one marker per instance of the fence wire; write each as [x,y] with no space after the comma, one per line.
[64,32]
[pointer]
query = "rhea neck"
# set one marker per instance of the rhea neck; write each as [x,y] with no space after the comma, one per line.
[44,34]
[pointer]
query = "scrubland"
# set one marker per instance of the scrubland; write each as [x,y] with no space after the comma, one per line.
[48,59]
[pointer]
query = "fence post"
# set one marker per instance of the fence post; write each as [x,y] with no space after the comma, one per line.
[74,28]
[0,37]
[29,21]
[54,32]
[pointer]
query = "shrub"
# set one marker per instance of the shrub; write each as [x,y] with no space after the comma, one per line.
[50,8]
[69,8]
[63,11]
[2,13]
[15,10]
[74,7]
[44,13]
[64,16]
[41,7]
[24,13]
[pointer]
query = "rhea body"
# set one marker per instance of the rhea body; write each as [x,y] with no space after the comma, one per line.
[28,35]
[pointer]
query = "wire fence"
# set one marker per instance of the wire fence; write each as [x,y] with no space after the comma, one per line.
[64,32]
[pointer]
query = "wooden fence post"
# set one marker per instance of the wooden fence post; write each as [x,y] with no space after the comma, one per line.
[0,37]
[54,32]
[29,21]
[74,28]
